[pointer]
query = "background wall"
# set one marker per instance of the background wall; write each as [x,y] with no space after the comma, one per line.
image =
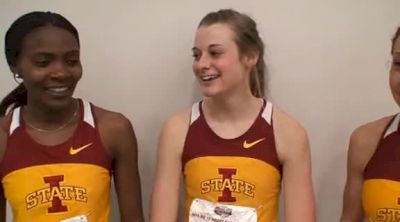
[328,62]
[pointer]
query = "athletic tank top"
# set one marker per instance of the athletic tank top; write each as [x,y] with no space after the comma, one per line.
[66,182]
[381,188]
[232,180]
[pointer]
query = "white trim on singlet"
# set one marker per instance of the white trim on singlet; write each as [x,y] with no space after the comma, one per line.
[267,112]
[87,113]
[15,123]
[393,126]
[195,114]
[10,108]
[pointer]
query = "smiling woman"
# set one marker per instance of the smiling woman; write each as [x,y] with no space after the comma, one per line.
[58,153]
[234,147]
[372,191]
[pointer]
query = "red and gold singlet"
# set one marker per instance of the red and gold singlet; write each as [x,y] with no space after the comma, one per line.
[66,182]
[381,189]
[231,180]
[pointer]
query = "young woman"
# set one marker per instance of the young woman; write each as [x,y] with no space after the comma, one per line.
[233,148]
[58,153]
[372,189]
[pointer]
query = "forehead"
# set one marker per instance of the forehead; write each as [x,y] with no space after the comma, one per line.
[218,33]
[49,39]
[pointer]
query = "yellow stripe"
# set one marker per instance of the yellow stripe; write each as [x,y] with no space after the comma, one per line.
[84,190]
[255,183]
[381,200]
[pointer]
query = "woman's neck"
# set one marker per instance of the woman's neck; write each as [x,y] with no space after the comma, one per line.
[44,117]
[233,107]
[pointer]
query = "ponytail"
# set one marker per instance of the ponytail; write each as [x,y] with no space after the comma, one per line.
[17,97]
[257,79]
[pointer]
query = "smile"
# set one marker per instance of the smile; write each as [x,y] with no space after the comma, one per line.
[209,77]
[59,91]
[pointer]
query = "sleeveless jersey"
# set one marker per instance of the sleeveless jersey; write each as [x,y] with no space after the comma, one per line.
[224,176]
[65,182]
[381,188]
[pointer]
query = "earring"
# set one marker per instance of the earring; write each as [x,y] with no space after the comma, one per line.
[18,79]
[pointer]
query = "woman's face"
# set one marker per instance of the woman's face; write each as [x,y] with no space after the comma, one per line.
[49,65]
[394,79]
[217,64]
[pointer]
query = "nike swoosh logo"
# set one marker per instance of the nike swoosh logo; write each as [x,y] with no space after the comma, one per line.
[74,151]
[249,145]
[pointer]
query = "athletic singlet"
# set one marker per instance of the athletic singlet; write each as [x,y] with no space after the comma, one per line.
[66,182]
[231,180]
[381,188]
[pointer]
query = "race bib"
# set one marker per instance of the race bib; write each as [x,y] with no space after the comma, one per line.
[205,211]
[82,218]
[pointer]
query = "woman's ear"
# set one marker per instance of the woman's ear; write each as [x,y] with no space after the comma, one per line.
[14,69]
[251,59]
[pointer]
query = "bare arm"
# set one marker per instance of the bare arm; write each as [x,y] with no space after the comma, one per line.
[3,142]
[362,145]
[165,197]
[120,137]
[294,153]
[352,209]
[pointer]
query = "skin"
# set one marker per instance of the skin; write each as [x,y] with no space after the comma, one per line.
[230,109]
[363,143]
[49,59]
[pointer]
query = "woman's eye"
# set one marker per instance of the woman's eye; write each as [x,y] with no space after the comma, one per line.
[42,63]
[215,54]
[72,62]
[196,56]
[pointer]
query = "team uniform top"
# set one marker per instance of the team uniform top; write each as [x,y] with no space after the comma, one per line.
[381,188]
[231,180]
[66,182]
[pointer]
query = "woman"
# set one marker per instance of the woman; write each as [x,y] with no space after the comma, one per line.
[233,147]
[372,189]
[58,153]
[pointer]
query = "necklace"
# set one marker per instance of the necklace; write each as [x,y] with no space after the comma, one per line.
[58,128]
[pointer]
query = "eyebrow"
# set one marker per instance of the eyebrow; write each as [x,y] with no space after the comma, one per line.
[214,45]
[44,53]
[210,46]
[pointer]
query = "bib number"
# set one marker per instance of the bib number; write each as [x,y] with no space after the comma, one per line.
[82,218]
[205,211]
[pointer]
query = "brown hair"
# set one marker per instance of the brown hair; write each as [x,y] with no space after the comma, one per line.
[395,37]
[248,41]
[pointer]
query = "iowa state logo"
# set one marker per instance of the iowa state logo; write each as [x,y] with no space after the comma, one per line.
[227,185]
[56,194]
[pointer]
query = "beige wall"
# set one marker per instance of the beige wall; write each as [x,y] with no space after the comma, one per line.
[328,61]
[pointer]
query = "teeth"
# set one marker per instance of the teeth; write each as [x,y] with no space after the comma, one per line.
[61,89]
[209,77]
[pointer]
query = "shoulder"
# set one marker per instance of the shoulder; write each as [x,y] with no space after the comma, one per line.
[177,125]
[178,121]
[287,125]
[111,121]
[364,141]
[174,130]
[370,133]
[4,125]
[290,136]
[115,130]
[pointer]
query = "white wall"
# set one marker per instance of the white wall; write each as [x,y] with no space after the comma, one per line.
[328,61]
